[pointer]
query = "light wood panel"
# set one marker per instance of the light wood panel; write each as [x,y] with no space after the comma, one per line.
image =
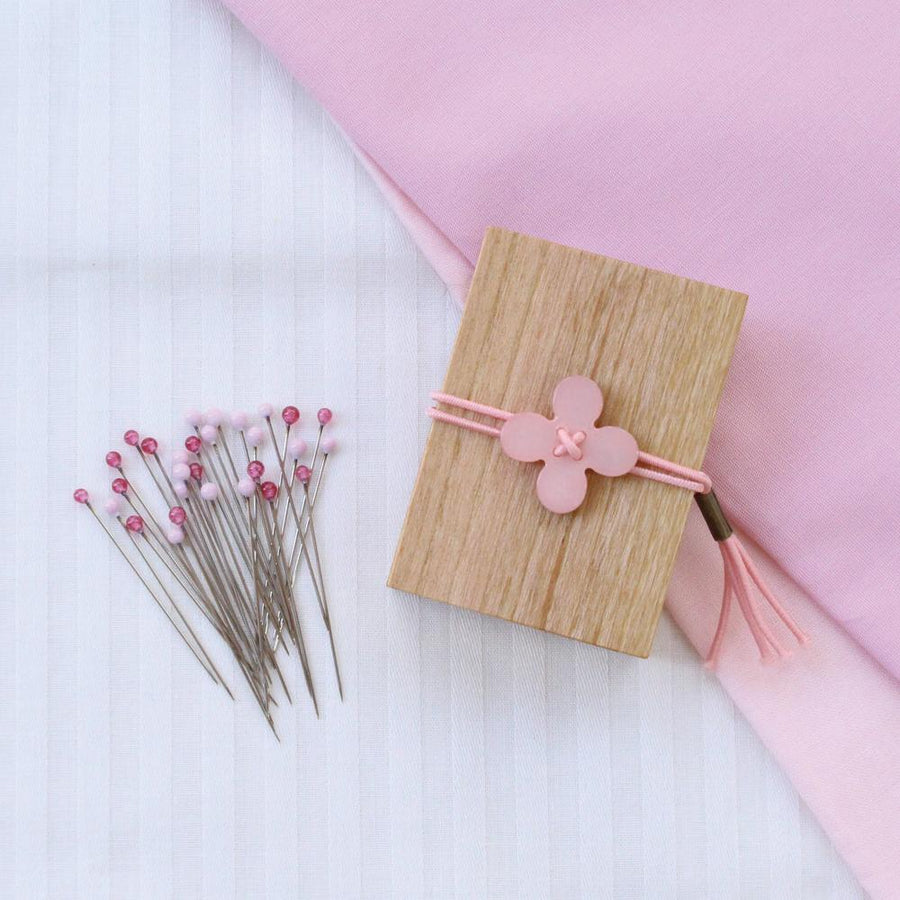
[475,534]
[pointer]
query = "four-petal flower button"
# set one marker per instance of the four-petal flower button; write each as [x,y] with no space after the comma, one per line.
[569,444]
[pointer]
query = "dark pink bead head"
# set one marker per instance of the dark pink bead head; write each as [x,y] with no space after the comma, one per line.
[324,415]
[81,495]
[193,444]
[149,445]
[135,524]
[303,474]
[256,470]
[269,490]
[131,437]
[196,471]
[120,485]
[177,515]
[114,459]
[291,415]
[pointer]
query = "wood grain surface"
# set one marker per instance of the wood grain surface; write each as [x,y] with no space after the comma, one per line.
[475,534]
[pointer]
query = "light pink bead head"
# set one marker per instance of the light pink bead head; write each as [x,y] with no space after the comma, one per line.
[113,506]
[120,485]
[266,410]
[177,515]
[114,459]
[181,471]
[194,418]
[254,436]
[290,415]
[297,448]
[269,490]
[209,434]
[324,415]
[192,444]
[131,437]
[329,445]
[209,491]
[303,474]
[80,495]
[180,457]
[239,420]
[174,535]
[246,487]
[181,490]
[256,469]
[215,417]
[149,445]
[134,524]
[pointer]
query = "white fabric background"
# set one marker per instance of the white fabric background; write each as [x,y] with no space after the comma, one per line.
[182,226]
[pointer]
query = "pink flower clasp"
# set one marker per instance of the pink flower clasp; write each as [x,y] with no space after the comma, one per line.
[569,444]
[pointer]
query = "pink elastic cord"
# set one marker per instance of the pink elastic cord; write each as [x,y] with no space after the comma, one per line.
[440,416]
[672,473]
[471,406]
[654,468]
[741,575]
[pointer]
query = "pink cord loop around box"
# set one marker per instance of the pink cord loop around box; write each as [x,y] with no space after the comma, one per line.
[570,444]
[654,468]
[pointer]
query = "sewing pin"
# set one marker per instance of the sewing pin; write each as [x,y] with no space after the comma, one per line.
[81,496]
[290,415]
[269,492]
[296,449]
[310,502]
[134,525]
[304,475]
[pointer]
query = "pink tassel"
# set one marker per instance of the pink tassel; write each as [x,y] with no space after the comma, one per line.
[741,575]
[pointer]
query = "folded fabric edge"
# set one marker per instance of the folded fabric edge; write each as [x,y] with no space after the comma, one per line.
[826,714]
[446,259]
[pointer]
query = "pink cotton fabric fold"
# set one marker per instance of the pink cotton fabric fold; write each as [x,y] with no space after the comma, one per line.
[752,146]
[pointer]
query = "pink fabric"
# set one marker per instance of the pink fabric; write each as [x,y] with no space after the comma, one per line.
[750,145]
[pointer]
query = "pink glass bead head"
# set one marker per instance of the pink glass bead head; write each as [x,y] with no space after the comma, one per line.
[134,524]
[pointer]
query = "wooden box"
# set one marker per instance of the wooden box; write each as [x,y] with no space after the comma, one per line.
[475,534]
